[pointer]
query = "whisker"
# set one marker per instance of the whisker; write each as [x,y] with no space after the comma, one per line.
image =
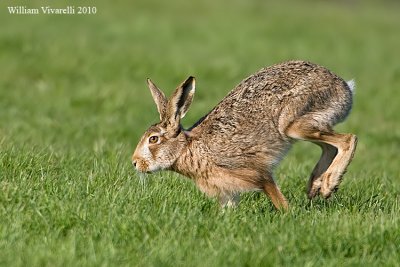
[142,179]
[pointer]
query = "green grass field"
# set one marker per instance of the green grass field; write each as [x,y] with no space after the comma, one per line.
[73,103]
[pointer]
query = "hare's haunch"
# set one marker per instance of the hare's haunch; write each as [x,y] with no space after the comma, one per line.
[235,147]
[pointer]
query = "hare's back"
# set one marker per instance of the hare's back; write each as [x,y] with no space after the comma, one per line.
[294,85]
[264,104]
[274,84]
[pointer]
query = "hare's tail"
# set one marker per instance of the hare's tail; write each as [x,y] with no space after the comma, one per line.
[352,85]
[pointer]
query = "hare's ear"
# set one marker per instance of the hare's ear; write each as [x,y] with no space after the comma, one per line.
[159,99]
[180,101]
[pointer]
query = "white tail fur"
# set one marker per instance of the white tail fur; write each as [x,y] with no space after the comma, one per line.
[352,85]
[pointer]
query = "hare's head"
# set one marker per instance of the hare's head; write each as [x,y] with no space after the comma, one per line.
[163,142]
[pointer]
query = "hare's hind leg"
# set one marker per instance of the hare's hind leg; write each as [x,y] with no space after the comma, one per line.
[346,146]
[315,182]
[338,150]
[272,190]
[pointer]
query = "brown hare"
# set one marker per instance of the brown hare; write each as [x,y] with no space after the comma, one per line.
[237,145]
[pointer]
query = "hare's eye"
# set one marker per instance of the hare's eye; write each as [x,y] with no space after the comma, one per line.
[153,139]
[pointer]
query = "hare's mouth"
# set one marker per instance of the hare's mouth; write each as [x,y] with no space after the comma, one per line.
[145,168]
[141,166]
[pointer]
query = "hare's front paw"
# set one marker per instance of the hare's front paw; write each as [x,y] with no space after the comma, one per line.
[229,200]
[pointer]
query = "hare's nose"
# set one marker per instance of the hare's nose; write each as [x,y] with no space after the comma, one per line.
[134,163]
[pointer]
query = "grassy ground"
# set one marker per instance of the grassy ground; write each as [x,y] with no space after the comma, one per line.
[73,103]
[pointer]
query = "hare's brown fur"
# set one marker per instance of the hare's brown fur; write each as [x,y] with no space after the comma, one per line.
[236,146]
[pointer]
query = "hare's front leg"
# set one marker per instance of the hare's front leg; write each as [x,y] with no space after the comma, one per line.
[272,190]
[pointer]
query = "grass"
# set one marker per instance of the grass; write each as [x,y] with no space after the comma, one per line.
[73,104]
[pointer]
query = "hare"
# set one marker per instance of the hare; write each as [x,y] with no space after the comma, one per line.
[237,145]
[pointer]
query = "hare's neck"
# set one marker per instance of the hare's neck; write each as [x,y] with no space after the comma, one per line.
[193,162]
